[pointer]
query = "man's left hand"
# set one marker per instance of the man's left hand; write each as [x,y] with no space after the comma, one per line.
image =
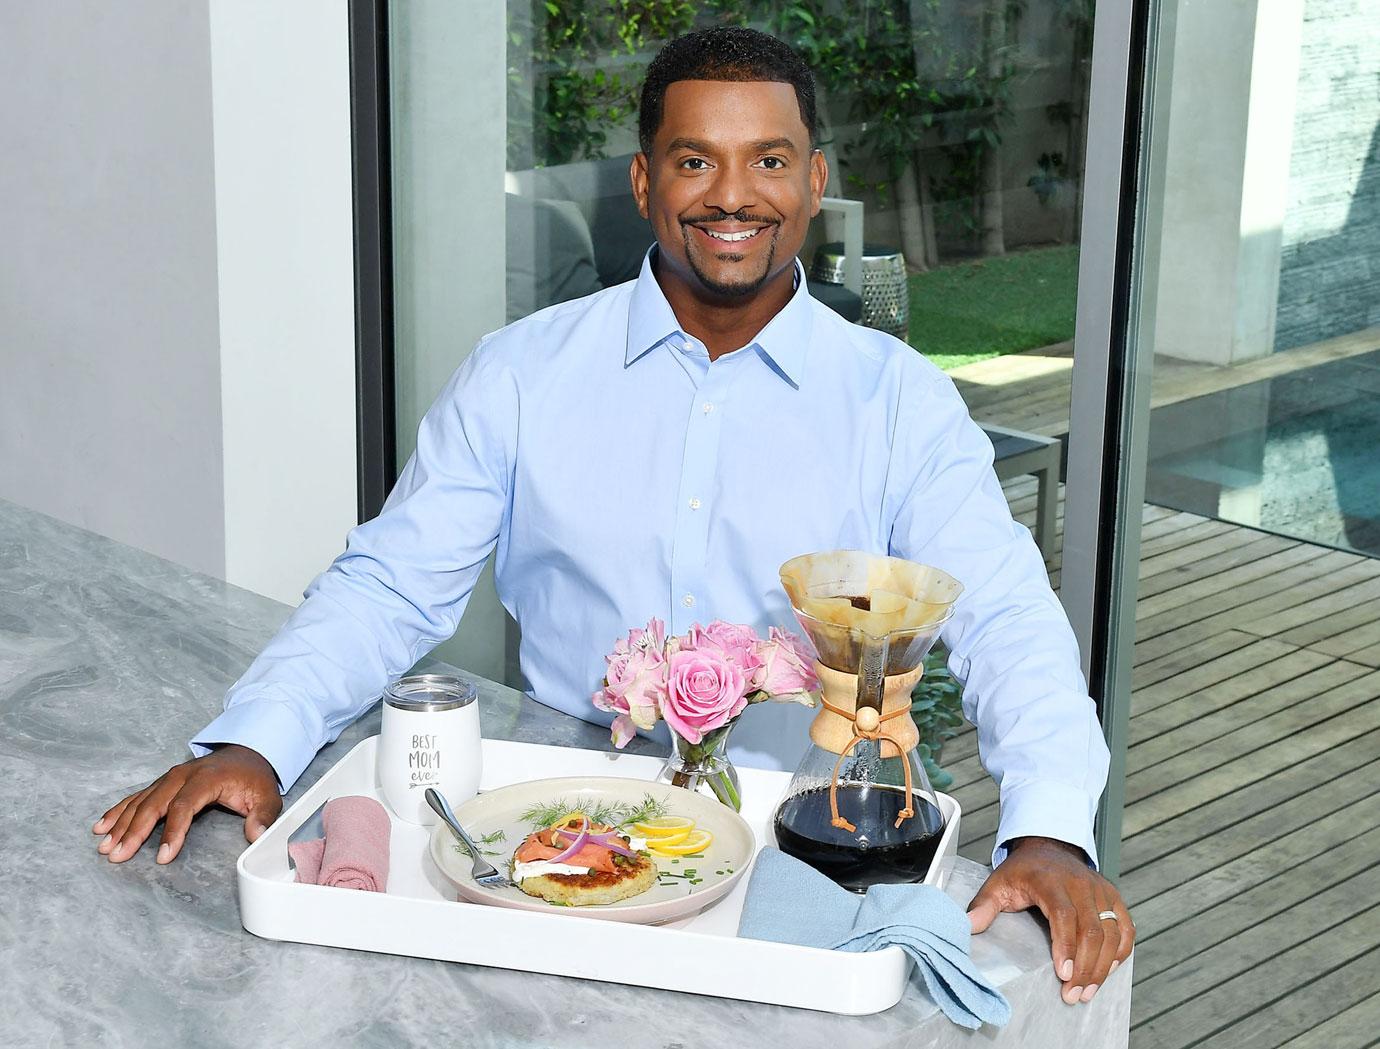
[1055,877]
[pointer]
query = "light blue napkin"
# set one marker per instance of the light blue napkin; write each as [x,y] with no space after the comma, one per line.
[790,902]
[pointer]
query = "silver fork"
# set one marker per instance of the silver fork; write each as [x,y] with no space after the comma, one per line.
[484,873]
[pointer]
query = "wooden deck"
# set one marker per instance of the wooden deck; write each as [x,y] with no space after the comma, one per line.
[1252,824]
[1030,391]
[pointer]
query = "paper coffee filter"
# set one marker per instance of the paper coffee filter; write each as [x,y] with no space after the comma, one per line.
[902,595]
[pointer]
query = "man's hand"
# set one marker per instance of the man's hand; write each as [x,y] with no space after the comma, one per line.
[1055,877]
[236,777]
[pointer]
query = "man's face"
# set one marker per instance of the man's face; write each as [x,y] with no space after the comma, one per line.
[730,186]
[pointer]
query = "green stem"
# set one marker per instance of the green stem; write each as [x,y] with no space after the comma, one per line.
[733,800]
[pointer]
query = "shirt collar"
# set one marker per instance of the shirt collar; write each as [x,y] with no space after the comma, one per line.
[784,341]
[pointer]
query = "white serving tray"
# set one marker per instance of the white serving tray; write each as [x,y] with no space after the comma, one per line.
[420,916]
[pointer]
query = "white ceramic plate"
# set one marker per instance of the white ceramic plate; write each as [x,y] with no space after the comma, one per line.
[674,896]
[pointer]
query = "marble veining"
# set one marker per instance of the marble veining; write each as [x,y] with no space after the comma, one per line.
[110,659]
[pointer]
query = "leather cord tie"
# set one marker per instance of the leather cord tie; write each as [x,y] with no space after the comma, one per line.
[867,724]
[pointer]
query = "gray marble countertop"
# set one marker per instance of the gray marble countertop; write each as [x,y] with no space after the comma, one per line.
[110,660]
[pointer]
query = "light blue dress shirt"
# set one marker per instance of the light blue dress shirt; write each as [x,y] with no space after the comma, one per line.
[620,475]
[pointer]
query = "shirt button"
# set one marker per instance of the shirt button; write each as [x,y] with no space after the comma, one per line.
[694,504]
[708,407]
[688,600]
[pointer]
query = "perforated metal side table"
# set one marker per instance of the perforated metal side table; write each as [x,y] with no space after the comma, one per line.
[885,293]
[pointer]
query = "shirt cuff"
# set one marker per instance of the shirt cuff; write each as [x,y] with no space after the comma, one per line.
[1046,809]
[267,726]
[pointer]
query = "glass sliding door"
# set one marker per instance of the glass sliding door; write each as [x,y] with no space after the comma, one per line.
[447,88]
[1246,504]
[972,211]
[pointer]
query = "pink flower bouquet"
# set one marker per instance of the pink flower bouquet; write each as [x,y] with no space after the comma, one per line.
[699,684]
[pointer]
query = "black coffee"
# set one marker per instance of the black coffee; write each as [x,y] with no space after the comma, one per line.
[892,855]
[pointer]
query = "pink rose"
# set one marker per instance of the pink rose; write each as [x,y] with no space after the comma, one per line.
[704,691]
[738,644]
[787,667]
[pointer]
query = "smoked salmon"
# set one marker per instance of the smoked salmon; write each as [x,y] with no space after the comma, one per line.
[594,856]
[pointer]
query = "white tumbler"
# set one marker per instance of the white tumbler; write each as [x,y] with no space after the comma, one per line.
[430,738]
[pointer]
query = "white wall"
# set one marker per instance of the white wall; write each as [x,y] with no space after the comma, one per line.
[176,284]
[283,206]
[109,370]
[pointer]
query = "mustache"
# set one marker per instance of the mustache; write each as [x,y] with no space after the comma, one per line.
[736,216]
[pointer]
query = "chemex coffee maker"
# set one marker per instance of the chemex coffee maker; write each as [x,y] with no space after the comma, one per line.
[860,808]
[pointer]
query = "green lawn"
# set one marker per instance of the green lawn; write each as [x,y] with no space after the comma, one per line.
[971,311]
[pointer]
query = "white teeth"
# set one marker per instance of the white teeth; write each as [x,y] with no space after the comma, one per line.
[743,235]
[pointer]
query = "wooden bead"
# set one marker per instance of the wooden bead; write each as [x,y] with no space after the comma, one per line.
[868,719]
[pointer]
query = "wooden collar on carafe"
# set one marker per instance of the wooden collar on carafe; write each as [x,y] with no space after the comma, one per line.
[867,724]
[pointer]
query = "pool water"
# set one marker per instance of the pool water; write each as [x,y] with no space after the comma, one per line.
[1298,455]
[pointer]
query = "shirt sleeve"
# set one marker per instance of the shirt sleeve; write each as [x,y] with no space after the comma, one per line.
[396,592]
[1009,640]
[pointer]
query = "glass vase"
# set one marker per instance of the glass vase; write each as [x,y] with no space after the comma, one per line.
[703,767]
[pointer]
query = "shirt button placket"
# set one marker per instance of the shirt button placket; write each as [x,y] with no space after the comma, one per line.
[688,555]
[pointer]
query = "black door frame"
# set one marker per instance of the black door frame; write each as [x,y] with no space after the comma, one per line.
[371,161]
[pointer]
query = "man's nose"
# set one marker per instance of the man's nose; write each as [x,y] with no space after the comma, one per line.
[732,190]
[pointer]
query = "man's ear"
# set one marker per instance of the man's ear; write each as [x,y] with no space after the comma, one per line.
[819,179]
[637,172]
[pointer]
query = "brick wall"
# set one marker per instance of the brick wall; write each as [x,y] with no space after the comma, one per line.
[1329,280]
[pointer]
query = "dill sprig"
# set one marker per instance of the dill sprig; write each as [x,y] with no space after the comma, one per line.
[492,838]
[615,814]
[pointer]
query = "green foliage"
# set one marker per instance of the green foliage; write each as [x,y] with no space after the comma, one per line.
[937,707]
[575,69]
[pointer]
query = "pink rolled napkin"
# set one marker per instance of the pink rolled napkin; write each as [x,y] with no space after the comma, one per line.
[354,852]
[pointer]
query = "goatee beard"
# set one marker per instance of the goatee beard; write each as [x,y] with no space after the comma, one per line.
[736,290]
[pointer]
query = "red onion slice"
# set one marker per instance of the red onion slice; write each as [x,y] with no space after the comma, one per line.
[608,840]
[575,847]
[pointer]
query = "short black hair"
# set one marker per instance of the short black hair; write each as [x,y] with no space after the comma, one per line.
[729,53]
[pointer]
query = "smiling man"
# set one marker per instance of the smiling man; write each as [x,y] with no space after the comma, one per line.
[659,449]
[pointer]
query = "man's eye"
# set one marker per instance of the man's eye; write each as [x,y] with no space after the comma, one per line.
[694,163]
[772,163]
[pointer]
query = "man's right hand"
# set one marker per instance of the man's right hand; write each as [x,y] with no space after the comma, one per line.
[236,777]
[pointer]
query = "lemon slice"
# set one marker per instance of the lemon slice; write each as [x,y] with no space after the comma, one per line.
[673,838]
[665,827]
[693,843]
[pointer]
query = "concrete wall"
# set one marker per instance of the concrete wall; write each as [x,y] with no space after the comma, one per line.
[110,413]
[1330,271]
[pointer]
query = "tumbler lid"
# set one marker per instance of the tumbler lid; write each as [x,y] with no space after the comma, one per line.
[429,692]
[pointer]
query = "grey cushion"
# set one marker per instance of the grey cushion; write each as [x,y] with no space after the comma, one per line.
[550,255]
[602,191]
[621,239]
[839,299]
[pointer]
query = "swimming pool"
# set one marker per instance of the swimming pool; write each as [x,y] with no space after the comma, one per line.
[1298,455]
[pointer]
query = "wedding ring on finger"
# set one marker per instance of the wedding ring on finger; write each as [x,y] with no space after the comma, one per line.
[1106,915]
